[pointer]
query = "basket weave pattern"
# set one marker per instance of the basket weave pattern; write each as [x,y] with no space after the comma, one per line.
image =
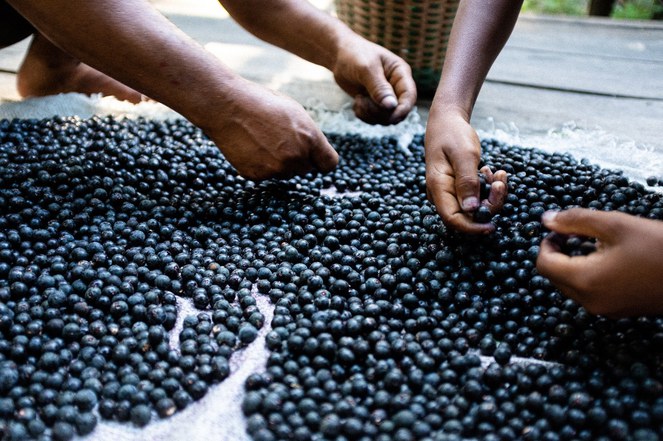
[417,30]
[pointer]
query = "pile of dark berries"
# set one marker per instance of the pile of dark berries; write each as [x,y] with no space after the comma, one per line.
[386,325]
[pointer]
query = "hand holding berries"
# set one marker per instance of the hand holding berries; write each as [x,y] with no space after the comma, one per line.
[622,277]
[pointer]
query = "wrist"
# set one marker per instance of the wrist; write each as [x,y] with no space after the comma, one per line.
[216,104]
[337,37]
[442,110]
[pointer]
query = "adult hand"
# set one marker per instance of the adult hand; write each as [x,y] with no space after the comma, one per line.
[267,135]
[380,82]
[624,277]
[453,153]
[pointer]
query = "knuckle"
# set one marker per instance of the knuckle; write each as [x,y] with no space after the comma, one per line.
[382,90]
[467,182]
[448,219]
[433,179]
[394,64]
[361,65]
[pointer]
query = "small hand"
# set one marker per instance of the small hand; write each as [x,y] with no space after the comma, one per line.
[267,135]
[623,277]
[380,82]
[453,153]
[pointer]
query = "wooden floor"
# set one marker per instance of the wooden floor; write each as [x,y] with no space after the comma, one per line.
[595,73]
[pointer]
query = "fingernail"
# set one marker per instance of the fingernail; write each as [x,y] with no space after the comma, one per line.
[548,216]
[470,203]
[389,102]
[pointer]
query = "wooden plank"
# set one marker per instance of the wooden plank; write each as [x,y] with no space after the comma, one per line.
[536,111]
[576,72]
[591,36]
[593,55]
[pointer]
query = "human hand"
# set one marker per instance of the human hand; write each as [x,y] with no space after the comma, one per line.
[453,153]
[267,135]
[380,82]
[623,277]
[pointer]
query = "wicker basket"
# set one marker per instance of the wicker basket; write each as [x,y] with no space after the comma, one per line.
[416,30]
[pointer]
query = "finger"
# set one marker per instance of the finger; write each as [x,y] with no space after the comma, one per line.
[380,90]
[496,196]
[488,173]
[551,262]
[560,282]
[447,207]
[562,270]
[582,221]
[467,181]
[323,156]
[370,112]
[400,113]
[406,91]
[501,175]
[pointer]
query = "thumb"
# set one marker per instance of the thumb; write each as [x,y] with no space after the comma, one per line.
[581,221]
[467,184]
[380,90]
[323,156]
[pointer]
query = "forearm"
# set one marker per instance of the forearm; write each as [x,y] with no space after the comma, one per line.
[293,25]
[132,42]
[480,31]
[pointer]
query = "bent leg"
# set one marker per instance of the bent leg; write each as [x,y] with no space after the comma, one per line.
[130,41]
[47,70]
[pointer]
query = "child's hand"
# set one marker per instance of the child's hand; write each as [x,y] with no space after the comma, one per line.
[453,153]
[623,277]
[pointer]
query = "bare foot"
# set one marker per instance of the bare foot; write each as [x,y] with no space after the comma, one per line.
[47,70]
